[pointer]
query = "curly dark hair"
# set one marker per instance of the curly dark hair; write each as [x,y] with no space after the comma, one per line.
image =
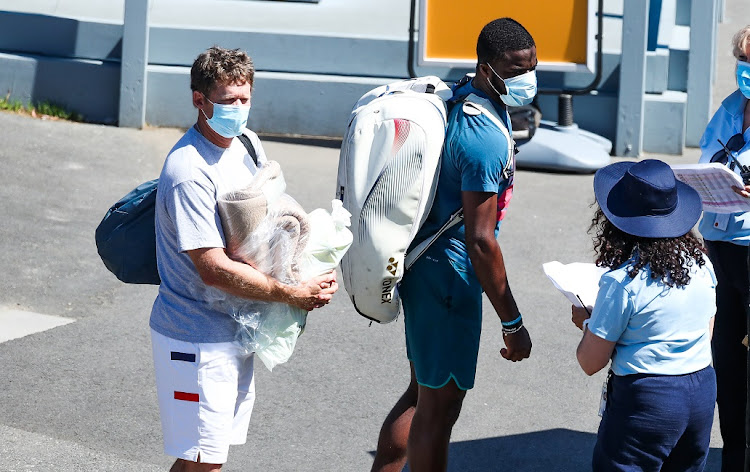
[670,259]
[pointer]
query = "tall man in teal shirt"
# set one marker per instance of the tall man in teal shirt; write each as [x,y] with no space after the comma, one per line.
[442,292]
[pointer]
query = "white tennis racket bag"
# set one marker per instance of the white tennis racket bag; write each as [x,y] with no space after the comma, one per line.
[388,171]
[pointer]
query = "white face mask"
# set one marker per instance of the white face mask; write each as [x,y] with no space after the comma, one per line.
[521,88]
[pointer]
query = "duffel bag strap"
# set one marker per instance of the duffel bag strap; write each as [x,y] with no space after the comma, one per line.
[250,148]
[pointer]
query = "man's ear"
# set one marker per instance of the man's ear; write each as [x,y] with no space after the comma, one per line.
[484,69]
[199,101]
[485,73]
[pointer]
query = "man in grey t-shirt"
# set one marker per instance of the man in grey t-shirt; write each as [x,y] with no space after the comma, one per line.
[205,382]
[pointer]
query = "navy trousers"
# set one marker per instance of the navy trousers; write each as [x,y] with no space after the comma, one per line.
[656,423]
[730,356]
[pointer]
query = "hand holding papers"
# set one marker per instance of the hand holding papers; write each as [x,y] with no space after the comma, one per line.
[714,183]
[579,281]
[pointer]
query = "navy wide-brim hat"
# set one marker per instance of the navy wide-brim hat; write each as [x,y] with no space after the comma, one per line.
[645,199]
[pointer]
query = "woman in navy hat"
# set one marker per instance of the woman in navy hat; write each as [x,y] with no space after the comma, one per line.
[653,318]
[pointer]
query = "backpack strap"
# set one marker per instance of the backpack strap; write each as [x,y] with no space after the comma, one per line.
[250,148]
[479,104]
[416,253]
[458,216]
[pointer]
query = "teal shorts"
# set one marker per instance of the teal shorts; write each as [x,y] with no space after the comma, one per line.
[442,302]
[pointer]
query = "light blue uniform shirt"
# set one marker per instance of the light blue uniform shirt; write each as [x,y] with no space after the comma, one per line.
[657,329]
[474,155]
[726,122]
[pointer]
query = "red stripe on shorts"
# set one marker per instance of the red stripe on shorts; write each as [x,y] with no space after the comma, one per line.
[188,397]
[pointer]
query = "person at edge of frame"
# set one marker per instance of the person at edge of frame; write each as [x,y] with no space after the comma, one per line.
[442,292]
[727,237]
[204,379]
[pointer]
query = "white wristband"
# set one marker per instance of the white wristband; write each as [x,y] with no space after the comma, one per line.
[585,324]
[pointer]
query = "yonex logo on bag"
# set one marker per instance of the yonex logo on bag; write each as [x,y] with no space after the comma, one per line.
[392,266]
[386,292]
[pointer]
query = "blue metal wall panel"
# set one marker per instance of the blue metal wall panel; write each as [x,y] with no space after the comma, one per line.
[283,103]
[24,33]
[90,88]
[282,52]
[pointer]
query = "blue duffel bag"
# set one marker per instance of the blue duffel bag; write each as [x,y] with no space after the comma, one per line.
[126,237]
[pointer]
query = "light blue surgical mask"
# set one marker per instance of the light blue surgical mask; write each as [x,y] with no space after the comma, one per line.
[521,88]
[228,120]
[743,78]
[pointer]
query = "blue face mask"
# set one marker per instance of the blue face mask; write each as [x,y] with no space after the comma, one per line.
[521,88]
[228,120]
[743,78]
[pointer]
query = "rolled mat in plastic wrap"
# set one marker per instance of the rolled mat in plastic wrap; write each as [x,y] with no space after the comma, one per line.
[268,229]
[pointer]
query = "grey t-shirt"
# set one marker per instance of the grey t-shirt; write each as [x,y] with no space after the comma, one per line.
[196,172]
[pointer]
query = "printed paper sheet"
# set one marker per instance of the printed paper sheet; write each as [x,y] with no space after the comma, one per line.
[714,184]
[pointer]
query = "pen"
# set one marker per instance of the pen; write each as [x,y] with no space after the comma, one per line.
[583,305]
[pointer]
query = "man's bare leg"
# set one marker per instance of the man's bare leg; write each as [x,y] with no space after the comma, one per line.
[436,413]
[394,434]
[181,465]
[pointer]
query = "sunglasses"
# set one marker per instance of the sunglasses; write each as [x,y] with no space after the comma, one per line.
[726,154]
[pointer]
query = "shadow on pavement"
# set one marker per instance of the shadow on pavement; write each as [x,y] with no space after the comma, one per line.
[559,450]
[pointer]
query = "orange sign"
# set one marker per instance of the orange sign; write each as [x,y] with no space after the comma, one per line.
[564,30]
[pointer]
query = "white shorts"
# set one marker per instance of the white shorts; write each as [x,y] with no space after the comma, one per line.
[206,393]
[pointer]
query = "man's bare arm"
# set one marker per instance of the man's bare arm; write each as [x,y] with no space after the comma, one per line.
[216,269]
[480,219]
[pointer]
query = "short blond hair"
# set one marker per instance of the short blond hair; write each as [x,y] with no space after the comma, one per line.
[740,41]
[220,66]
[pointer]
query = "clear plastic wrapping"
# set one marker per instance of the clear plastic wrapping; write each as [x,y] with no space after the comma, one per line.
[268,229]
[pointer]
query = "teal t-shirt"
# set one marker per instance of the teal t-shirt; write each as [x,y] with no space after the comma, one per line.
[474,155]
[657,329]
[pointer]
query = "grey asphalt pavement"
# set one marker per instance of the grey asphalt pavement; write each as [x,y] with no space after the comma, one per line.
[81,396]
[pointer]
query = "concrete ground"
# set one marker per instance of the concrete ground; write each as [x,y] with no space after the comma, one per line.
[80,395]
